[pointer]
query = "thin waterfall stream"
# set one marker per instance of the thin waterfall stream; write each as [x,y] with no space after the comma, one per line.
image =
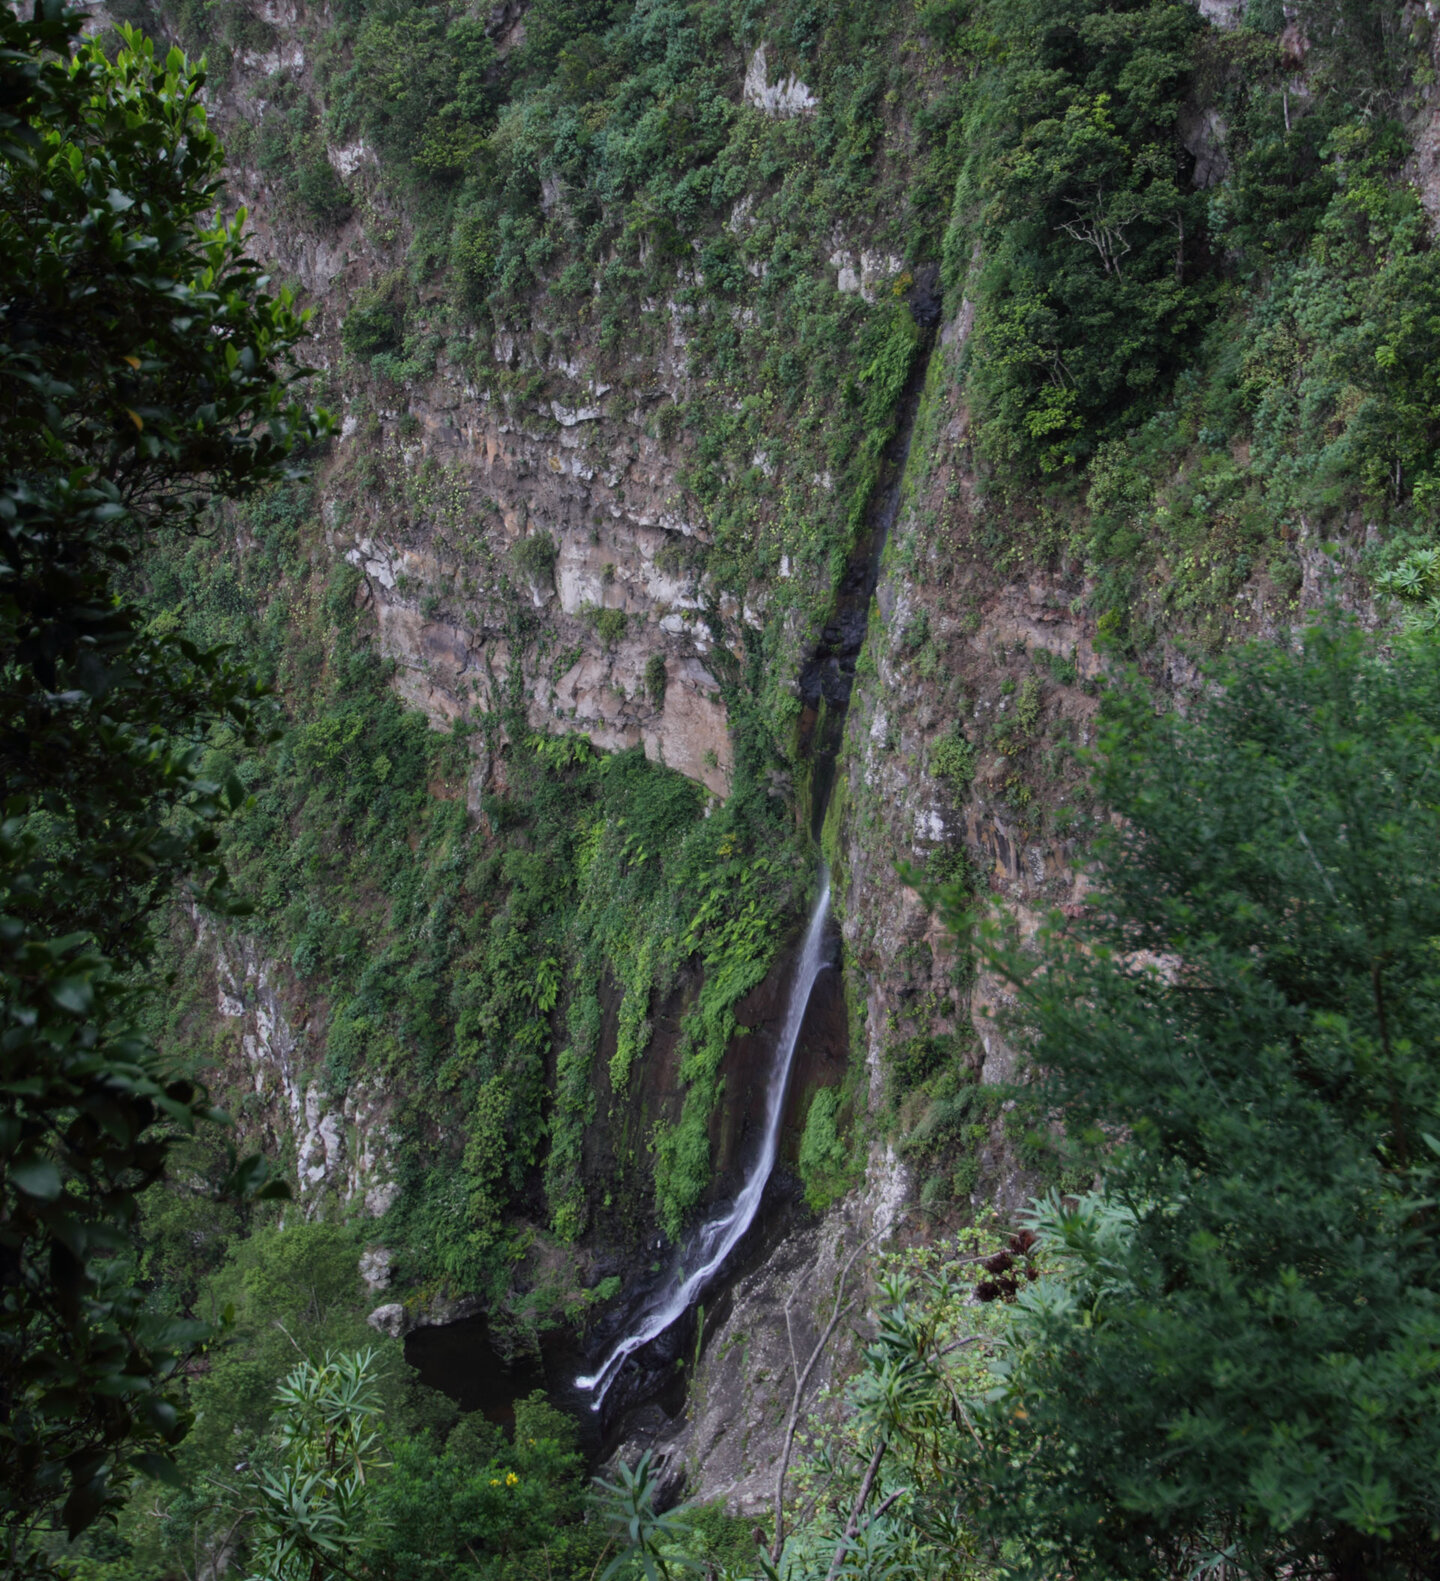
[825,685]
[718,1236]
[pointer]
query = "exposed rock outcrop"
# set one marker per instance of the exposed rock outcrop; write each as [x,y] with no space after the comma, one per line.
[786,96]
[337,1149]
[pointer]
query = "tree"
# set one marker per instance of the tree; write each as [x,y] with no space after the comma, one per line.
[1240,1374]
[507,1508]
[144,370]
[311,1507]
[1095,276]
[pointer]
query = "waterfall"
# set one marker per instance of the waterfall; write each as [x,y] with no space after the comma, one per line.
[826,681]
[717,1237]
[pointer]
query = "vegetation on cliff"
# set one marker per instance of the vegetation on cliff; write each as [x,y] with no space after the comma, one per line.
[1191,299]
[1198,302]
[1204,294]
[1241,1361]
[1225,1359]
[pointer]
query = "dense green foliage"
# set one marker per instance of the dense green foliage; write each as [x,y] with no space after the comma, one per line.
[309,1509]
[144,368]
[1093,283]
[315,1447]
[1097,264]
[1245,1361]
[464,961]
[1203,300]
[824,1160]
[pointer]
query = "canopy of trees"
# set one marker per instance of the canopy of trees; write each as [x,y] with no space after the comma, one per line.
[144,369]
[1243,1362]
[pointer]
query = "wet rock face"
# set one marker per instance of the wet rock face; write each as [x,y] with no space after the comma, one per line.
[728,1444]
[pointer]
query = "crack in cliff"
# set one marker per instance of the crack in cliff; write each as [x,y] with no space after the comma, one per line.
[826,682]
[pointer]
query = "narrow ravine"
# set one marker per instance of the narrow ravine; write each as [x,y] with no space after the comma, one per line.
[708,1248]
[826,684]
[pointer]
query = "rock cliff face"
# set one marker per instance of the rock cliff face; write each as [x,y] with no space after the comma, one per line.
[521,516]
[575,473]
[336,1150]
[951,638]
[517,510]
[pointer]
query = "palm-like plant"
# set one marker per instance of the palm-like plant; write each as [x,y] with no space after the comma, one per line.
[310,1508]
[1416,583]
[649,1538]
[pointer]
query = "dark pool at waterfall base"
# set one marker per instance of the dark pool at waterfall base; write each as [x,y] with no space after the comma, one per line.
[461,1360]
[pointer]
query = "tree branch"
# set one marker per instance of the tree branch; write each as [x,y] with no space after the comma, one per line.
[852,1526]
[803,1378]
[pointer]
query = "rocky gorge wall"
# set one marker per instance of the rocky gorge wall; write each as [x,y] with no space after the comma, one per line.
[576,470]
[436,484]
[525,520]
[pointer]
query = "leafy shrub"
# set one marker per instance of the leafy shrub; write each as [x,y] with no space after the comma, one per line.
[322,192]
[534,558]
[952,759]
[422,87]
[1415,581]
[1342,372]
[679,555]
[1061,669]
[1266,16]
[1278,839]
[655,676]
[1027,703]
[607,624]
[823,1158]
[944,20]
[919,1058]
[472,256]
[375,322]
[1094,283]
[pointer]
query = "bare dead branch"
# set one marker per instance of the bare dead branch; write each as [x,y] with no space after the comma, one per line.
[852,1526]
[801,1381]
[1103,231]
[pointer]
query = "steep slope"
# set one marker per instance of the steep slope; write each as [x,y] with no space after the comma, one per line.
[618,307]
[615,509]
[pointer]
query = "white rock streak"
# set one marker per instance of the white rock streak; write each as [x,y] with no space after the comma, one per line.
[786,97]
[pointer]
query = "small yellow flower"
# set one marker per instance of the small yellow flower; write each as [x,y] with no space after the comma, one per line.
[510,1479]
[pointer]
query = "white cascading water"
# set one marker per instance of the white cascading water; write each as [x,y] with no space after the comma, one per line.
[718,1237]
